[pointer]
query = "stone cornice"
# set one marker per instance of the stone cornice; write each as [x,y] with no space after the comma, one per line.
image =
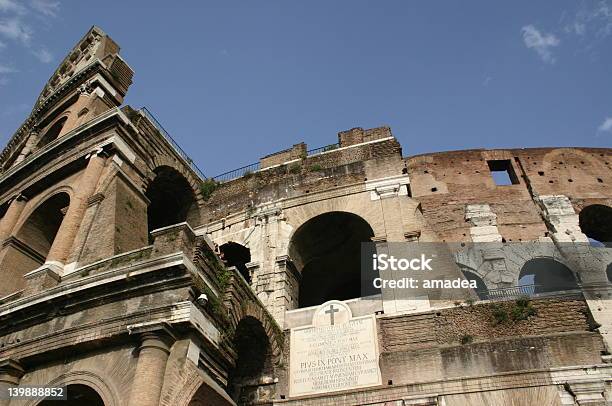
[42,106]
[70,288]
[114,142]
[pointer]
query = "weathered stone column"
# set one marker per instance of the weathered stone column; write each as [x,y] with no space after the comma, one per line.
[11,217]
[150,370]
[60,249]
[10,375]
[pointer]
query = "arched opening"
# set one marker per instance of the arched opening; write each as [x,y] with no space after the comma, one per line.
[234,254]
[77,395]
[172,200]
[31,244]
[609,272]
[205,395]
[254,366]
[52,133]
[326,250]
[596,222]
[481,287]
[542,275]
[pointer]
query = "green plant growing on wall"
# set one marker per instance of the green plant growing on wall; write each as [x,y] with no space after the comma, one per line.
[466,339]
[207,187]
[295,168]
[522,309]
[247,174]
[315,168]
[500,315]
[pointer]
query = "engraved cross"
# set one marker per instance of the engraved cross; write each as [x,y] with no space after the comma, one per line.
[331,312]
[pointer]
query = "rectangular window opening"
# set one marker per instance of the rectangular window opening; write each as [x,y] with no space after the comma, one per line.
[503,172]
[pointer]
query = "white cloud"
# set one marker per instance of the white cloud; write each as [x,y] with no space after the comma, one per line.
[606,126]
[48,8]
[577,28]
[594,16]
[13,28]
[43,55]
[4,69]
[10,6]
[541,43]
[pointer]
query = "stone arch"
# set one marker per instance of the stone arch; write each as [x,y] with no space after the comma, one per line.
[171,199]
[31,241]
[481,290]
[558,154]
[193,388]
[567,155]
[34,203]
[326,251]
[359,205]
[253,369]
[547,275]
[236,255]
[52,131]
[254,309]
[106,391]
[595,221]
[193,180]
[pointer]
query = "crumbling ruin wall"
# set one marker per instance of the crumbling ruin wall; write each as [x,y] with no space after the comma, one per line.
[447,182]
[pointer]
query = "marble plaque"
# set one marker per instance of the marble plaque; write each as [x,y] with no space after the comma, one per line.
[337,352]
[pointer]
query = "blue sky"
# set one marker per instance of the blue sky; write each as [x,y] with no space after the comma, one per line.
[233,81]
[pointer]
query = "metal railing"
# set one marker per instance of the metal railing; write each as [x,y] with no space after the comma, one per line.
[326,148]
[237,173]
[512,292]
[254,167]
[145,112]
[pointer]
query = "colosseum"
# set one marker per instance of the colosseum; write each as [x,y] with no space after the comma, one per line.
[130,278]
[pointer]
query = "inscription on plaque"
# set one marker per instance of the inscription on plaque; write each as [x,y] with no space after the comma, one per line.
[337,352]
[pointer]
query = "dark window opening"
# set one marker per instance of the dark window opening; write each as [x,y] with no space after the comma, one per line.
[609,272]
[253,363]
[52,133]
[234,254]
[32,243]
[481,288]
[39,230]
[172,200]
[543,275]
[326,250]
[596,223]
[78,395]
[503,172]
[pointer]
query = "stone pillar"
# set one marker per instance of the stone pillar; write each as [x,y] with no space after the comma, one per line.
[10,375]
[149,377]
[60,249]
[11,217]
[287,286]
[81,110]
